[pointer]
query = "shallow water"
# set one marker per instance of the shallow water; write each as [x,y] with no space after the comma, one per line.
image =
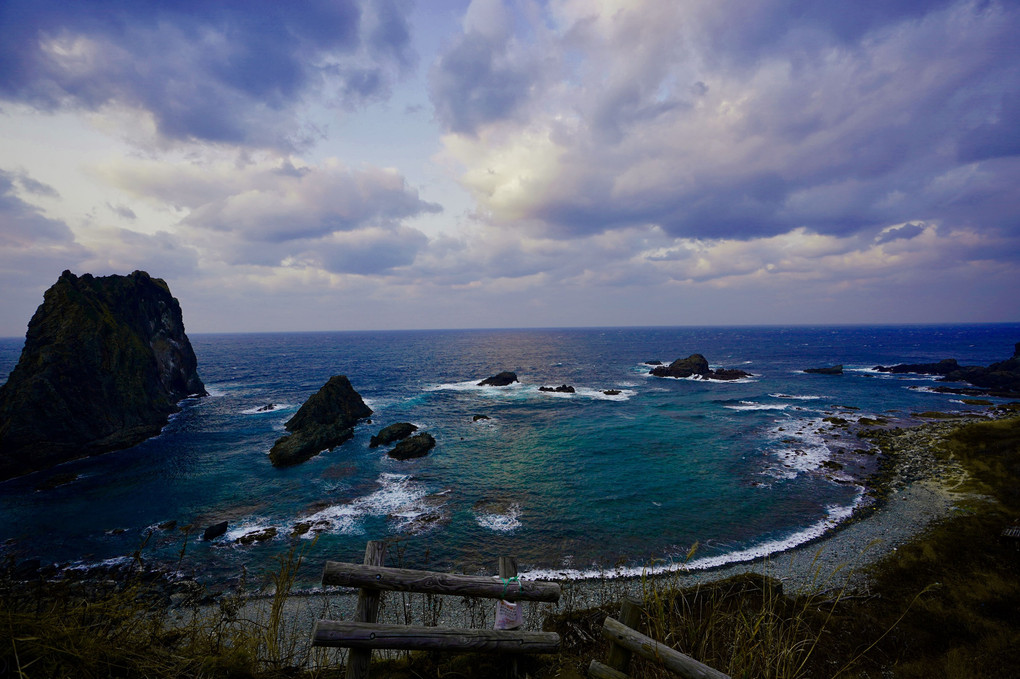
[569,483]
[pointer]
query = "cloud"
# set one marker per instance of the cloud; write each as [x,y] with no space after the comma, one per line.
[281,212]
[836,119]
[231,72]
[23,226]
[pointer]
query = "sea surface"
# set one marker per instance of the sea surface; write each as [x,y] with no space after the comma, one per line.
[574,485]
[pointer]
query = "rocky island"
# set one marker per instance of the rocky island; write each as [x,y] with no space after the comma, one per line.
[325,421]
[104,365]
[696,366]
[998,379]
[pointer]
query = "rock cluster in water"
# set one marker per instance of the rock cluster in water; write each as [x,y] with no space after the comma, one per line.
[105,362]
[1002,378]
[418,445]
[830,370]
[696,366]
[325,421]
[392,433]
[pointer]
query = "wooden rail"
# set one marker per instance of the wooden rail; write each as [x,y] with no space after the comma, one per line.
[364,633]
[430,582]
[625,640]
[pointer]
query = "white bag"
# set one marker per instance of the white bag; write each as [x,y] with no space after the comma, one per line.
[509,614]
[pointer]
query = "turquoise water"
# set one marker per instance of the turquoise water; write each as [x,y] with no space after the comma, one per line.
[570,484]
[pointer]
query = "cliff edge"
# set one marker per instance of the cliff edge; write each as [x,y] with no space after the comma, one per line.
[105,362]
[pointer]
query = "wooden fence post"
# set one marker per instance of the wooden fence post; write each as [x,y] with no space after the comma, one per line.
[367,611]
[618,660]
[508,569]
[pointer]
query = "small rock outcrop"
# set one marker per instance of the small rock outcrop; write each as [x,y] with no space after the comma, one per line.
[418,445]
[562,389]
[998,379]
[696,366]
[394,432]
[831,370]
[104,365]
[215,530]
[325,421]
[501,380]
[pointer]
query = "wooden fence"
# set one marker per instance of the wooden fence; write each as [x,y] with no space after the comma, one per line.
[364,634]
[625,640]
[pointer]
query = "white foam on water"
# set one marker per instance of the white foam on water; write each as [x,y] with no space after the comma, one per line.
[834,515]
[753,405]
[259,410]
[804,449]
[798,397]
[399,497]
[506,522]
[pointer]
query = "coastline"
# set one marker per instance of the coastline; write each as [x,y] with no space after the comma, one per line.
[913,490]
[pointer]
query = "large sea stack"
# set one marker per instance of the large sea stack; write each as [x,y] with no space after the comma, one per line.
[104,365]
[325,421]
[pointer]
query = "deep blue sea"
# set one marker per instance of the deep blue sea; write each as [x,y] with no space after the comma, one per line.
[575,484]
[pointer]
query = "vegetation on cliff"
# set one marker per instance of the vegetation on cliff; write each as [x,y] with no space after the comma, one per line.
[105,362]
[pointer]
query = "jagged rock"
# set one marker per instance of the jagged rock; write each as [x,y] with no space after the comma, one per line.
[325,421]
[998,379]
[611,392]
[696,366]
[105,362]
[418,445]
[501,380]
[476,418]
[394,432]
[258,536]
[562,389]
[832,370]
[266,408]
[215,530]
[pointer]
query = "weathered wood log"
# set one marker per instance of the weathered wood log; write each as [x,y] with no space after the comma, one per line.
[356,635]
[630,615]
[367,611]
[600,671]
[431,582]
[672,660]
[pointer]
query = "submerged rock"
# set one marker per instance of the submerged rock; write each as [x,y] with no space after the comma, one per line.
[418,445]
[394,432]
[105,362]
[325,421]
[500,380]
[832,370]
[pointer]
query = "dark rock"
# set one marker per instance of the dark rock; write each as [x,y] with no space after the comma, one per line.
[696,366]
[477,418]
[266,408]
[501,380]
[611,392]
[418,445]
[258,536]
[215,530]
[653,362]
[998,379]
[394,432]
[168,525]
[562,389]
[105,362]
[325,421]
[833,370]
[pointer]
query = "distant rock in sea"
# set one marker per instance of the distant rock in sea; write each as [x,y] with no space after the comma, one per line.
[501,380]
[998,379]
[696,366]
[394,432]
[562,389]
[831,370]
[325,421]
[105,362]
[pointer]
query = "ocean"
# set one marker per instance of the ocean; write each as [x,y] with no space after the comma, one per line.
[575,485]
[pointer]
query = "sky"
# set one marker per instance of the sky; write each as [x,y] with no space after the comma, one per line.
[357,164]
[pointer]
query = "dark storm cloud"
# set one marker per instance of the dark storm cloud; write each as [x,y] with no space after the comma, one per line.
[210,71]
